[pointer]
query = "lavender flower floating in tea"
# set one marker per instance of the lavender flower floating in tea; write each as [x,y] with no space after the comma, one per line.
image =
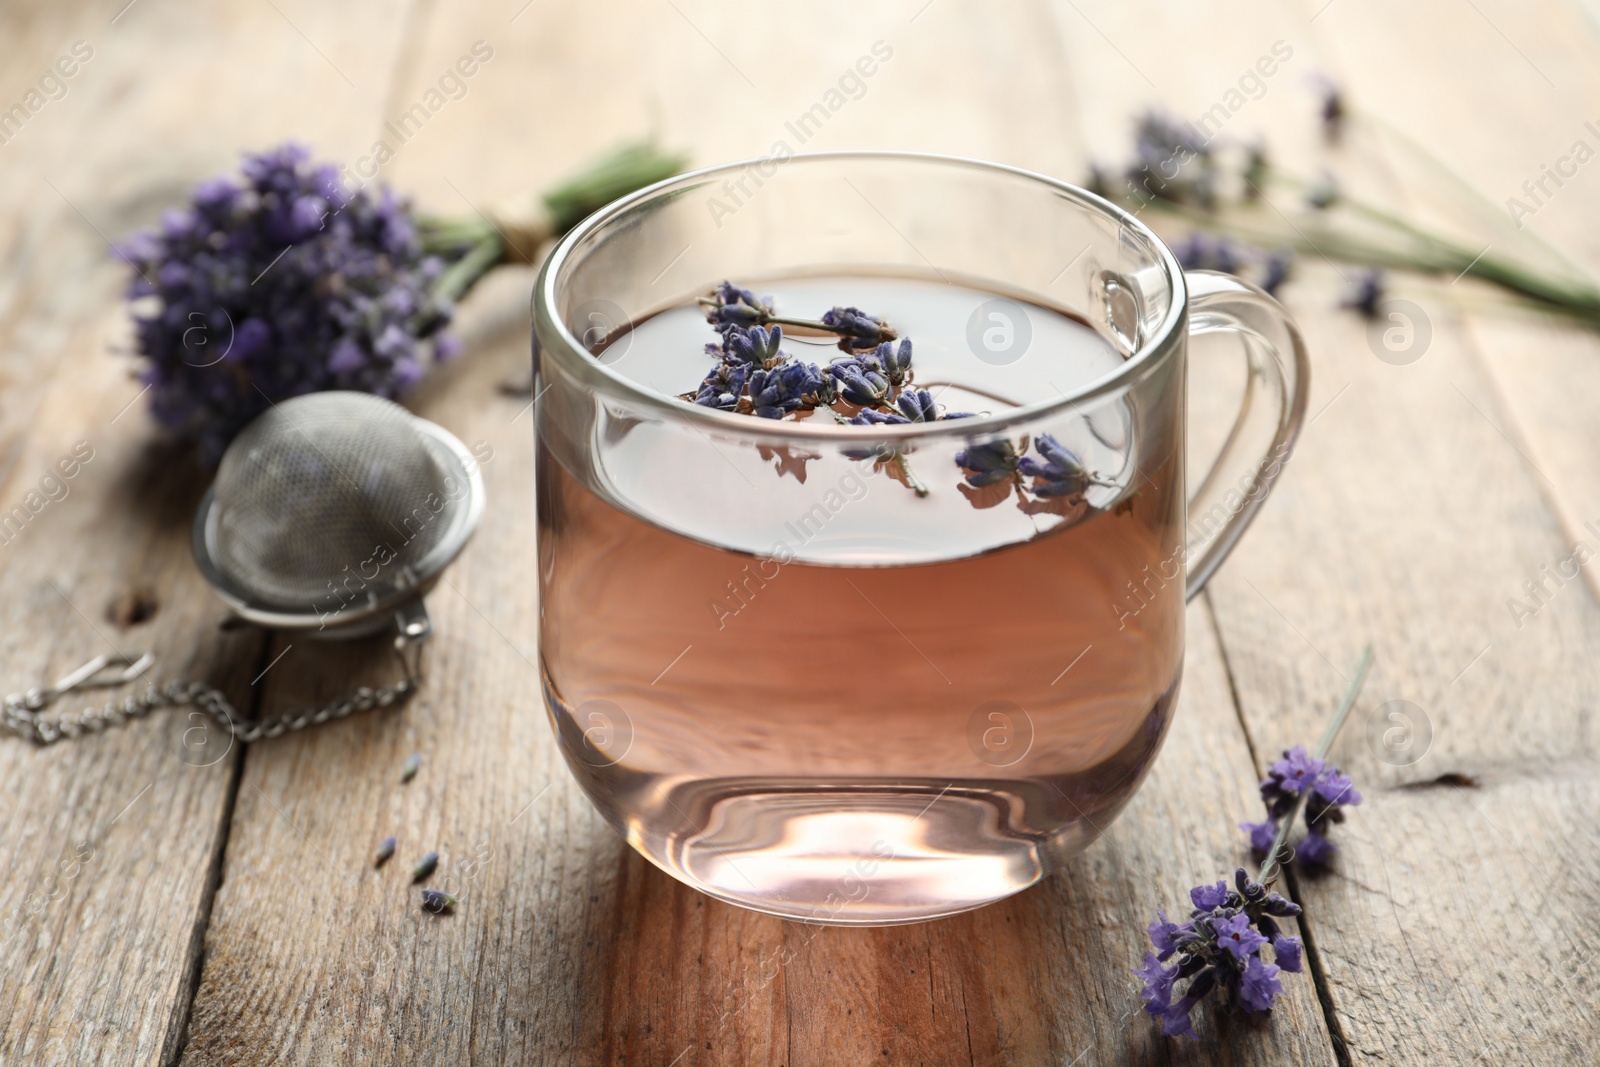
[871,385]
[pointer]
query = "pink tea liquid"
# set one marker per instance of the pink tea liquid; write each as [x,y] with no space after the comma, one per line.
[874,720]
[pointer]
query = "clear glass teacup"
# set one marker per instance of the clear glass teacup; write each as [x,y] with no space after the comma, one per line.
[869,674]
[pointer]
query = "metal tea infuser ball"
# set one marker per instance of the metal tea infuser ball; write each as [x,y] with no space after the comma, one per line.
[332,514]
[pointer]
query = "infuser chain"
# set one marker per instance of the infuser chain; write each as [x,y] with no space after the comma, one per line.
[21,710]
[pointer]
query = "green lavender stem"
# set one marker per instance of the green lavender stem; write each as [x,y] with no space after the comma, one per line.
[1427,253]
[1275,855]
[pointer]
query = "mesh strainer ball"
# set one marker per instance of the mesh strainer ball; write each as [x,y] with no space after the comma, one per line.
[335,509]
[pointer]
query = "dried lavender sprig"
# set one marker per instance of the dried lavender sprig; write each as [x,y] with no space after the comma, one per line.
[437,900]
[1275,855]
[385,850]
[847,323]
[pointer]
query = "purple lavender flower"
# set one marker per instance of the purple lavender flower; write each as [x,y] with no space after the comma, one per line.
[1261,833]
[1163,931]
[785,388]
[281,284]
[1158,979]
[859,382]
[1328,791]
[756,346]
[1297,770]
[874,417]
[1259,984]
[1235,934]
[1366,294]
[917,405]
[1219,947]
[730,305]
[1315,849]
[988,462]
[895,362]
[1206,897]
[1286,952]
[856,328]
[1275,271]
[1059,474]
[723,388]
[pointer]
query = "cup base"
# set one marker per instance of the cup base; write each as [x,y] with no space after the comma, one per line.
[859,855]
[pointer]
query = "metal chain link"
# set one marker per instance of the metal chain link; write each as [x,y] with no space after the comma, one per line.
[21,712]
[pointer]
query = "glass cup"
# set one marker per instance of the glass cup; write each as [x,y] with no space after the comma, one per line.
[880,674]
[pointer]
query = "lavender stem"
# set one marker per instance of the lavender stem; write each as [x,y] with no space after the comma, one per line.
[1269,869]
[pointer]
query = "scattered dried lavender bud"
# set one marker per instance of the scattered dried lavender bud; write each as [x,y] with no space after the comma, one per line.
[1367,293]
[425,866]
[385,850]
[437,900]
[412,765]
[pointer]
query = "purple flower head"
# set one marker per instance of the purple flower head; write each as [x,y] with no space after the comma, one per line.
[1259,984]
[894,361]
[988,462]
[723,387]
[873,417]
[859,382]
[267,290]
[1297,770]
[1206,897]
[1261,834]
[1235,934]
[1315,849]
[1335,787]
[730,305]
[1367,293]
[1286,950]
[1275,271]
[1173,162]
[1157,989]
[785,388]
[756,346]
[917,405]
[1164,933]
[856,328]
[1059,474]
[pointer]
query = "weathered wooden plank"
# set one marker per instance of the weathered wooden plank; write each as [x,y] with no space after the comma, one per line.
[112,845]
[1408,518]
[567,946]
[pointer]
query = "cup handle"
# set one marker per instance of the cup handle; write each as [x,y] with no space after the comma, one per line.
[1273,406]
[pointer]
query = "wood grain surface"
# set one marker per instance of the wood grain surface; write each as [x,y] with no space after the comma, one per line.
[171,899]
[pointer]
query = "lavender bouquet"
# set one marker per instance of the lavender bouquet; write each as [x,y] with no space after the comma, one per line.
[285,281]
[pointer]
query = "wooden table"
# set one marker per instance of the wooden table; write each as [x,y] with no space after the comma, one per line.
[160,907]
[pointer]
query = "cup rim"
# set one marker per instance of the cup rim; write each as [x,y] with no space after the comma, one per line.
[577,359]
